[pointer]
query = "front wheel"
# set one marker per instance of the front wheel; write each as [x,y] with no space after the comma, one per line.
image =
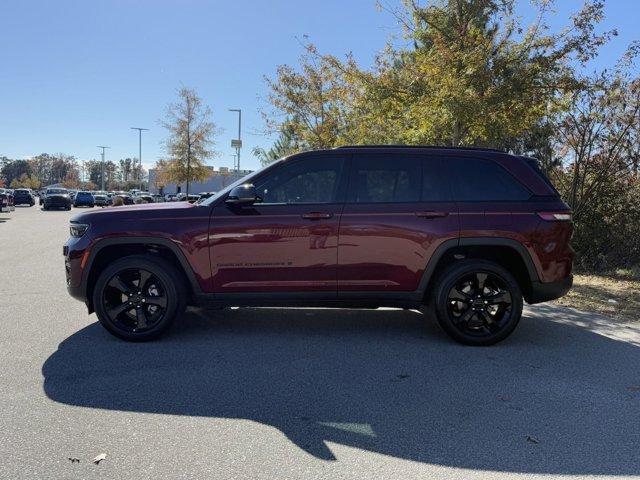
[137,298]
[478,302]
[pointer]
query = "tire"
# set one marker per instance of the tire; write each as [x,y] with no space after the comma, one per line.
[68,207]
[477,302]
[164,281]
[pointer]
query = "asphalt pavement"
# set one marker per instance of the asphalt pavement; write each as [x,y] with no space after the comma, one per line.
[300,393]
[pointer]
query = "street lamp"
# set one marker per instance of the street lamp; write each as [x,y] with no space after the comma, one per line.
[102,168]
[140,130]
[237,143]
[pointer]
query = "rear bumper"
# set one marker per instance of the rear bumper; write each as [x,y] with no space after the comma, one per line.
[543,292]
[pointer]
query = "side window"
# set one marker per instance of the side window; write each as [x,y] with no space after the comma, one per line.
[312,180]
[385,179]
[479,180]
[435,185]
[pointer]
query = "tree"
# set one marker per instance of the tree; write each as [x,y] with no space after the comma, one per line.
[93,169]
[14,169]
[286,144]
[125,168]
[473,75]
[190,139]
[311,103]
[25,181]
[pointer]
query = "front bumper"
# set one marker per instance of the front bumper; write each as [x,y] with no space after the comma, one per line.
[543,292]
[57,203]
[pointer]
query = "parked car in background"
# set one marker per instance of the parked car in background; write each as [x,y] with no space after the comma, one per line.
[23,196]
[101,199]
[170,197]
[142,198]
[202,196]
[8,194]
[157,198]
[57,198]
[469,234]
[6,202]
[126,199]
[182,197]
[84,199]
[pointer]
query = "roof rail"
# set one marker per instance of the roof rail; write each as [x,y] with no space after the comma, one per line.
[439,147]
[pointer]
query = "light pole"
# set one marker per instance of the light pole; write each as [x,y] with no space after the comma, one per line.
[102,168]
[238,142]
[140,130]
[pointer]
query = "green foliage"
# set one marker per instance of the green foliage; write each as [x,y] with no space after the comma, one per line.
[286,144]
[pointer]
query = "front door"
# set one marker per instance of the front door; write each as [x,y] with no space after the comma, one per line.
[398,210]
[288,241]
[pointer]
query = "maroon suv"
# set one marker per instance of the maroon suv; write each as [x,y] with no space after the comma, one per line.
[467,232]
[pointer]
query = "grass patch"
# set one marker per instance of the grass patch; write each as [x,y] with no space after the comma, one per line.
[616,294]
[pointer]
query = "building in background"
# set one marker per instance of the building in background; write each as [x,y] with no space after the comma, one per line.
[217,181]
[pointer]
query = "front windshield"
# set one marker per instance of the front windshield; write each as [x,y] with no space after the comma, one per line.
[56,190]
[240,181]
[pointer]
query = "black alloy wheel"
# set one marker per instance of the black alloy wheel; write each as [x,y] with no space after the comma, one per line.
[478,302]
[137,298]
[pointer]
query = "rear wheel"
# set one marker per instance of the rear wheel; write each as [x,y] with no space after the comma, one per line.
[138,298]
[478,302]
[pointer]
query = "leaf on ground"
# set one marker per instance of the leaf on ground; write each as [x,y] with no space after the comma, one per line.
[531,439]
[74,460]
[99,458]
[633,388]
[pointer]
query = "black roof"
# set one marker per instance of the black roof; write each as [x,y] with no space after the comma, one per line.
[431,147]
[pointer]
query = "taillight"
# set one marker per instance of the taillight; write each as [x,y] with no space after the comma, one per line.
[555,216]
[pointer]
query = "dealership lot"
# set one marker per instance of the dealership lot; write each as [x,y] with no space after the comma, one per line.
[300,393]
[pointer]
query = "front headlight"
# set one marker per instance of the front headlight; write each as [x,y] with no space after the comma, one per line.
[78,229]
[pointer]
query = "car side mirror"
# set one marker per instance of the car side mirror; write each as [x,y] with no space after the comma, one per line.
[242,195]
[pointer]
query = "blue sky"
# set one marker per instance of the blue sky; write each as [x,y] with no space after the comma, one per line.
[76,74]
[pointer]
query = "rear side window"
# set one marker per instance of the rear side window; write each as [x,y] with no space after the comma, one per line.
[479,180]
[435,185]
[385,179]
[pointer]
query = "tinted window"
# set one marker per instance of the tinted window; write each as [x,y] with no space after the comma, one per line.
[435,186]
[473,179]
[385,179]
[313,180]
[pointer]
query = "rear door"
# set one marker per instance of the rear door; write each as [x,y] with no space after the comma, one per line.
[398,210]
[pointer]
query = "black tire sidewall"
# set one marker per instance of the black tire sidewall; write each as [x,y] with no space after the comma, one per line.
[174,291]
[447,280]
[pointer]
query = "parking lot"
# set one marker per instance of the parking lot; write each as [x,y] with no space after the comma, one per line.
[300,393]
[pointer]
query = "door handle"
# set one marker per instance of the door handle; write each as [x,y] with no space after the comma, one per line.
[431,214]
[316,215]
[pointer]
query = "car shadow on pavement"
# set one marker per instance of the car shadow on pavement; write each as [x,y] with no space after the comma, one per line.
[554,398]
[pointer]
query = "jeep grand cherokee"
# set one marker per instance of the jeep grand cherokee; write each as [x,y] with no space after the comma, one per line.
[468,233]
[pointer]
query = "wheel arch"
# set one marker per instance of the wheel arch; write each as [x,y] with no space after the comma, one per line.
[506,252]
[109,249]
